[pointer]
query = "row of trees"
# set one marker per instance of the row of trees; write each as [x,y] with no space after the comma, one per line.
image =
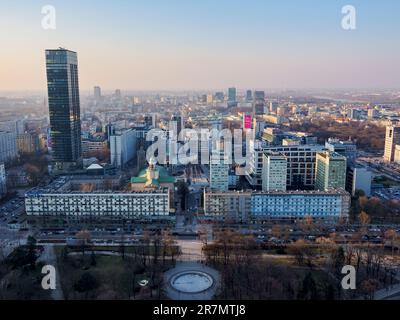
[145,261]
[367,135]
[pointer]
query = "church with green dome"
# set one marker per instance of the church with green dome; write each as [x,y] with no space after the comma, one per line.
[153,177]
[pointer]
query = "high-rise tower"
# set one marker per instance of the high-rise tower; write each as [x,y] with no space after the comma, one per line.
[64,105]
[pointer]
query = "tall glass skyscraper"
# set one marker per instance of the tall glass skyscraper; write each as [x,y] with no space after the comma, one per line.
[64,105]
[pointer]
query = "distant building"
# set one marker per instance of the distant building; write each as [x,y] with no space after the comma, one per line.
[330,171]
[232,95]
[259,103]
[150,120]
[355,114]
[249,96]
[219,96]
[97,93]
[373,113]
[391,140]
[122,147]
[179,123]
[274,172]
[117,94]
[8,146]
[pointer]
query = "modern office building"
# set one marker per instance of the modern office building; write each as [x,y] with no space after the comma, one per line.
[259,103]
[58,200]
[123,147]
[8,146]
[253,205]
[330,171]
[301,161]
[391,140]
[274,172]
[64,105]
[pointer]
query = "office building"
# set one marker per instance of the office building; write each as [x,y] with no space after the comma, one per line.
[274,172]
[123,147]
[330,171]
[64,105]
[259,103]
[301,160]
[391,140]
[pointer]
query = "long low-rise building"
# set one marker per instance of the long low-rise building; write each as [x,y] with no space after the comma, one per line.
[59,201]
[253,205]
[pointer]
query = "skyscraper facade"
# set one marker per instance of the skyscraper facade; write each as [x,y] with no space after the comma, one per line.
[64,105]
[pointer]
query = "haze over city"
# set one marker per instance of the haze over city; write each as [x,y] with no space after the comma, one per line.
[200,45]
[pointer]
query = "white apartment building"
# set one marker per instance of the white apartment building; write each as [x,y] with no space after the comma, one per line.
[274,172]
[74,204]
[253,205]
[219,171]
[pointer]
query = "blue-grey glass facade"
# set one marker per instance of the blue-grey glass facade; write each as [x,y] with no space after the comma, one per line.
[64,104]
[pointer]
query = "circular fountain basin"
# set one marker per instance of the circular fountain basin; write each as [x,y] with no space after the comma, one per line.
[191,281]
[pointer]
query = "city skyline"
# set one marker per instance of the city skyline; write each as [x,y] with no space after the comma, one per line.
[202,46]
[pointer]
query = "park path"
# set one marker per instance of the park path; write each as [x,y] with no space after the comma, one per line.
[48,256]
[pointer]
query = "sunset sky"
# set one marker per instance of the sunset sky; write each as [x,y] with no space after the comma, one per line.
[204,44]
